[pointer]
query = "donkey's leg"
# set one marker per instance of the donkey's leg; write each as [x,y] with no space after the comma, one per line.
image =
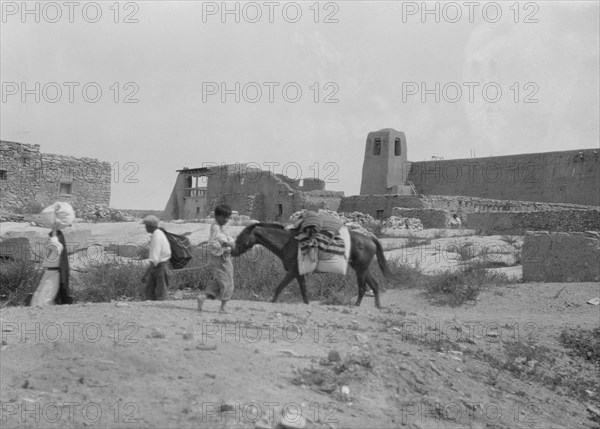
[373,283]
[360,278]
[289,276]
[303,281]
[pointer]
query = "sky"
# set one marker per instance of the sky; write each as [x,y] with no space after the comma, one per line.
[294,87]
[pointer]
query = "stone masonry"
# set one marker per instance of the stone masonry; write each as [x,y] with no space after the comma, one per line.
[30,180]
[561,257]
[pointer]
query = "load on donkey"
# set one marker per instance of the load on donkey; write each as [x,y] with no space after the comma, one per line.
[308,234]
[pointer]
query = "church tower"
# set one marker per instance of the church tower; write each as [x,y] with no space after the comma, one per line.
[385,166]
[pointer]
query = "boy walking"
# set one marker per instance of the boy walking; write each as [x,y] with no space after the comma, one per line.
[219,246]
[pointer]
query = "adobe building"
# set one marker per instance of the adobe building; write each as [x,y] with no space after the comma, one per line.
[553,177]
[259,194]
[31,180]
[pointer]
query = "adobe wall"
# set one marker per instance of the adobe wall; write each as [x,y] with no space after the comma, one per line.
[543,220]
[32,179]
[261,194]
[175,205]
[554,177]
[561,257]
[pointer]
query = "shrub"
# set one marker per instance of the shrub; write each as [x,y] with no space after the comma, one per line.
[454,288]
[107,281]
[18,279]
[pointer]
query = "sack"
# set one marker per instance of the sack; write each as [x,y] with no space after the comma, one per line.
[181,249]
[59,215]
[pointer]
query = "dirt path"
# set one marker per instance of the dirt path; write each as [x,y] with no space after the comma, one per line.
[150,364]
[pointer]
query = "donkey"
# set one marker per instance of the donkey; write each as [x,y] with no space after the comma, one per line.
[283,244]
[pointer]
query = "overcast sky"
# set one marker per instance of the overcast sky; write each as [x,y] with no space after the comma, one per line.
[323,85]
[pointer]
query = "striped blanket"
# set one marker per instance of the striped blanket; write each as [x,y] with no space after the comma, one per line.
[323,252]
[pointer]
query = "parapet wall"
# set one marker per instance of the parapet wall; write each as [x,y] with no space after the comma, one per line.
[561,257]
[543,220]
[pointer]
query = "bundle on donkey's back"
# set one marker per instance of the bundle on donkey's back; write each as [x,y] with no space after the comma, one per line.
[285,242]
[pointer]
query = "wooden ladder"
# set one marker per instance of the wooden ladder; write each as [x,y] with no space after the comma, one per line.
[412,186]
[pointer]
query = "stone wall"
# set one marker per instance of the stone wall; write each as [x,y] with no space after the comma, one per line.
[561,257]
[518,222]
[379,206]
[430,218]
[371,204]
[462,205]
[30,180]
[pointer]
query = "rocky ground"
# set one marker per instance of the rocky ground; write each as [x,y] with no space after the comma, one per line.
[497,362]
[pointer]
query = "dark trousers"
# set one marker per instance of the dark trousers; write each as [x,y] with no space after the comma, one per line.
[157,282]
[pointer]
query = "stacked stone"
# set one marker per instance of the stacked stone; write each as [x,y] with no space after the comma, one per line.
[102,213]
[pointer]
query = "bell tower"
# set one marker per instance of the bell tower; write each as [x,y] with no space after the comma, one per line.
[385,165]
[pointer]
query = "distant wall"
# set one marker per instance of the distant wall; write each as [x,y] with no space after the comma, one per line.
[379,205]
[430,218]
[561,257]
[461,205]
[143,213]
[554,177]
[30,180]
[370,204]
[518,222]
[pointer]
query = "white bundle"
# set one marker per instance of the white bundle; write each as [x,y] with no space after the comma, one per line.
[58,215]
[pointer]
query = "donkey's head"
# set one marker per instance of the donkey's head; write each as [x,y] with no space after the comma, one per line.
[244,241]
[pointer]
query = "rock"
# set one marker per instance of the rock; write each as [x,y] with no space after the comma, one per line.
[156,334]
[188,336]
[333,356]
[345,390]
[593,410]
[362,338]
[206,347]
[292,421]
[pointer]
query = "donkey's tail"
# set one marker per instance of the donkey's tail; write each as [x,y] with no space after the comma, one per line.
[381,260]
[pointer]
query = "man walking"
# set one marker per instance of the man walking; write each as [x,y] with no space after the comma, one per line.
[159,268]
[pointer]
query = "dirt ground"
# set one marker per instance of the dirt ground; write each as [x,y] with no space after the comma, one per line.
[164,364]
[411,364]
